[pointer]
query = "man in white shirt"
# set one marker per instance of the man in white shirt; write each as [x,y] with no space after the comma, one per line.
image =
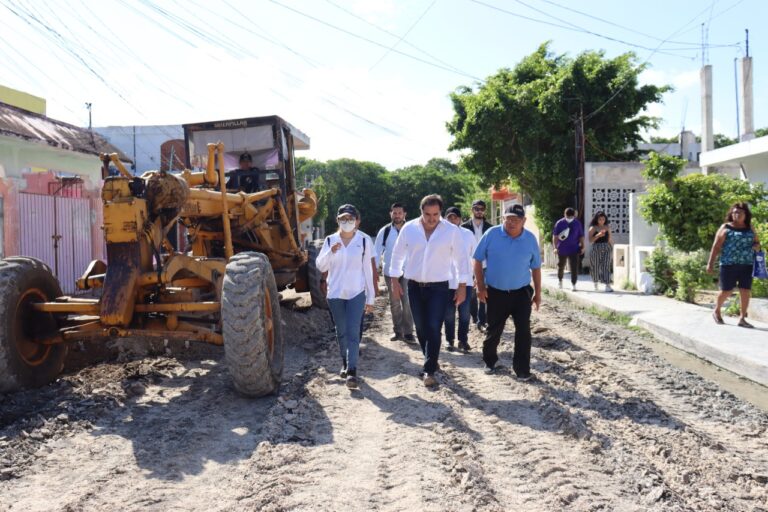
[426,252]
[402,322]
[478,226]
[453,215]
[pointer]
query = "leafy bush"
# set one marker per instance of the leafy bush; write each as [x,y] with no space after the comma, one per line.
[689,271]
[678,275]
[760,286]
[659,266]
[698,206]
[662,168]
[689,210]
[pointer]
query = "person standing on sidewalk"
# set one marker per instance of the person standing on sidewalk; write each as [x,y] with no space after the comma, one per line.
[601,254]
[737,241]
[478,226]
[513,260]
[568,242]
[426,253]
[346,256]
[402,322]
[453,215]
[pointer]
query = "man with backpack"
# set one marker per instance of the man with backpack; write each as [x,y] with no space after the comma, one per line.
[402,320]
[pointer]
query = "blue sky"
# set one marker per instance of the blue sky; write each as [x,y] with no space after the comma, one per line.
[336,69]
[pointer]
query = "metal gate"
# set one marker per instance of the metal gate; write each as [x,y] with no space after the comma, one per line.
[57,230]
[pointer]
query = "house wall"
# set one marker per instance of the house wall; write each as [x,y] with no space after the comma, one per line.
[22,100]
[17,159]
[607,187]
[147,140]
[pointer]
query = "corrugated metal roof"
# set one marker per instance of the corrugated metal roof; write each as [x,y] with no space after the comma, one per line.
[16,122]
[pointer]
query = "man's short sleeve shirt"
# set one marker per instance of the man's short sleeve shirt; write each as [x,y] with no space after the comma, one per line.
[509,260]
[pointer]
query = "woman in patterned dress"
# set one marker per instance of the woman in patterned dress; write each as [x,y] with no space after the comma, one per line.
[602,250]
[737,241]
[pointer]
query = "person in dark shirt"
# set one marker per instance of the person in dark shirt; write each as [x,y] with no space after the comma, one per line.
[568,241]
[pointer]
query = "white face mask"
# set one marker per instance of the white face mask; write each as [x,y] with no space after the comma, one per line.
[347,225]
[569,219]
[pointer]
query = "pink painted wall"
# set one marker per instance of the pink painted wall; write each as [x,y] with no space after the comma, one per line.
[42,184]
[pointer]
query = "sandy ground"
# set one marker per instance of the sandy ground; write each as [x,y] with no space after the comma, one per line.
[606,425]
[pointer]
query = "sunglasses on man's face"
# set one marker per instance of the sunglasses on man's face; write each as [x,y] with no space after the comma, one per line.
[478,208]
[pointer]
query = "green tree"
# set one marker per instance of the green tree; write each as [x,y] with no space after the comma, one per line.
[518,126]
[723,140]
[664,140]
[455,185]
[372,188]
[364,184]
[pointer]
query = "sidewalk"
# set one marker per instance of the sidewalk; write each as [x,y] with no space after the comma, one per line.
[686,326]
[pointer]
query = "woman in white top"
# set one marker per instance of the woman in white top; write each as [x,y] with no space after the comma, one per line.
[346,256]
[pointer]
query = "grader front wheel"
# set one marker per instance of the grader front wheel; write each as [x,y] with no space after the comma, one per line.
[24,362]
[253,333]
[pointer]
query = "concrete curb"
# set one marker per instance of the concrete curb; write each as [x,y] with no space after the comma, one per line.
[681,325]
[753,370]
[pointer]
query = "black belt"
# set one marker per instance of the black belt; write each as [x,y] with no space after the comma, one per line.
[425,285]
[509,291]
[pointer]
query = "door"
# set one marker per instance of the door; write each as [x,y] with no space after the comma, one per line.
[57,230]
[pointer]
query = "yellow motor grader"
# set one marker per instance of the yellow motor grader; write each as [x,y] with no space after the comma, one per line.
[246,234]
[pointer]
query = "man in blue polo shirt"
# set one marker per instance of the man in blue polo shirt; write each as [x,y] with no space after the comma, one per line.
[512,258]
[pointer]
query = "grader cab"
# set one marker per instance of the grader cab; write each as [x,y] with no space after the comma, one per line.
[247,226]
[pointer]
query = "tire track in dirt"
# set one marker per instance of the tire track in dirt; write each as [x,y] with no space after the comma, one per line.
[649,435]
[531,450]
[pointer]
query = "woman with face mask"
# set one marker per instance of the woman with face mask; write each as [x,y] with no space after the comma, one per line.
[346,256]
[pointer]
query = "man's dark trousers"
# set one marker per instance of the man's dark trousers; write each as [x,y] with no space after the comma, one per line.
[573,263]
[501,305]
[476,308]
[428,303]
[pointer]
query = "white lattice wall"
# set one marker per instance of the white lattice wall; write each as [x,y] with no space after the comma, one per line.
[607,188]
[615,203]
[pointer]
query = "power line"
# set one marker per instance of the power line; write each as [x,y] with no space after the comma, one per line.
[569,26]
[404,35]
[393,34]
[371,41]
[62,43]
[626,82]
[630,29]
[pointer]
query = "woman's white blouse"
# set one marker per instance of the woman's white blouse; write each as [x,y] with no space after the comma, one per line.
[349,269]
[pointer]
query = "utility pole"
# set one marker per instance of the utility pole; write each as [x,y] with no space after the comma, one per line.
[580,157]
[88,106]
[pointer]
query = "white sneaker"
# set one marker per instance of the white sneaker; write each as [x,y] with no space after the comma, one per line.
[608,288]
[560,284]
[595,286]
[573,287]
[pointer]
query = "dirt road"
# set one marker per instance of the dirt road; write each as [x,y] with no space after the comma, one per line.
[606,425]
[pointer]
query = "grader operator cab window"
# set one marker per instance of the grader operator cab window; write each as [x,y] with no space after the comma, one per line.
[258,155]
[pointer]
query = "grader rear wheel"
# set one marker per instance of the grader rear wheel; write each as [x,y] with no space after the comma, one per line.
[24,362]
[316,290]
[253,332]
